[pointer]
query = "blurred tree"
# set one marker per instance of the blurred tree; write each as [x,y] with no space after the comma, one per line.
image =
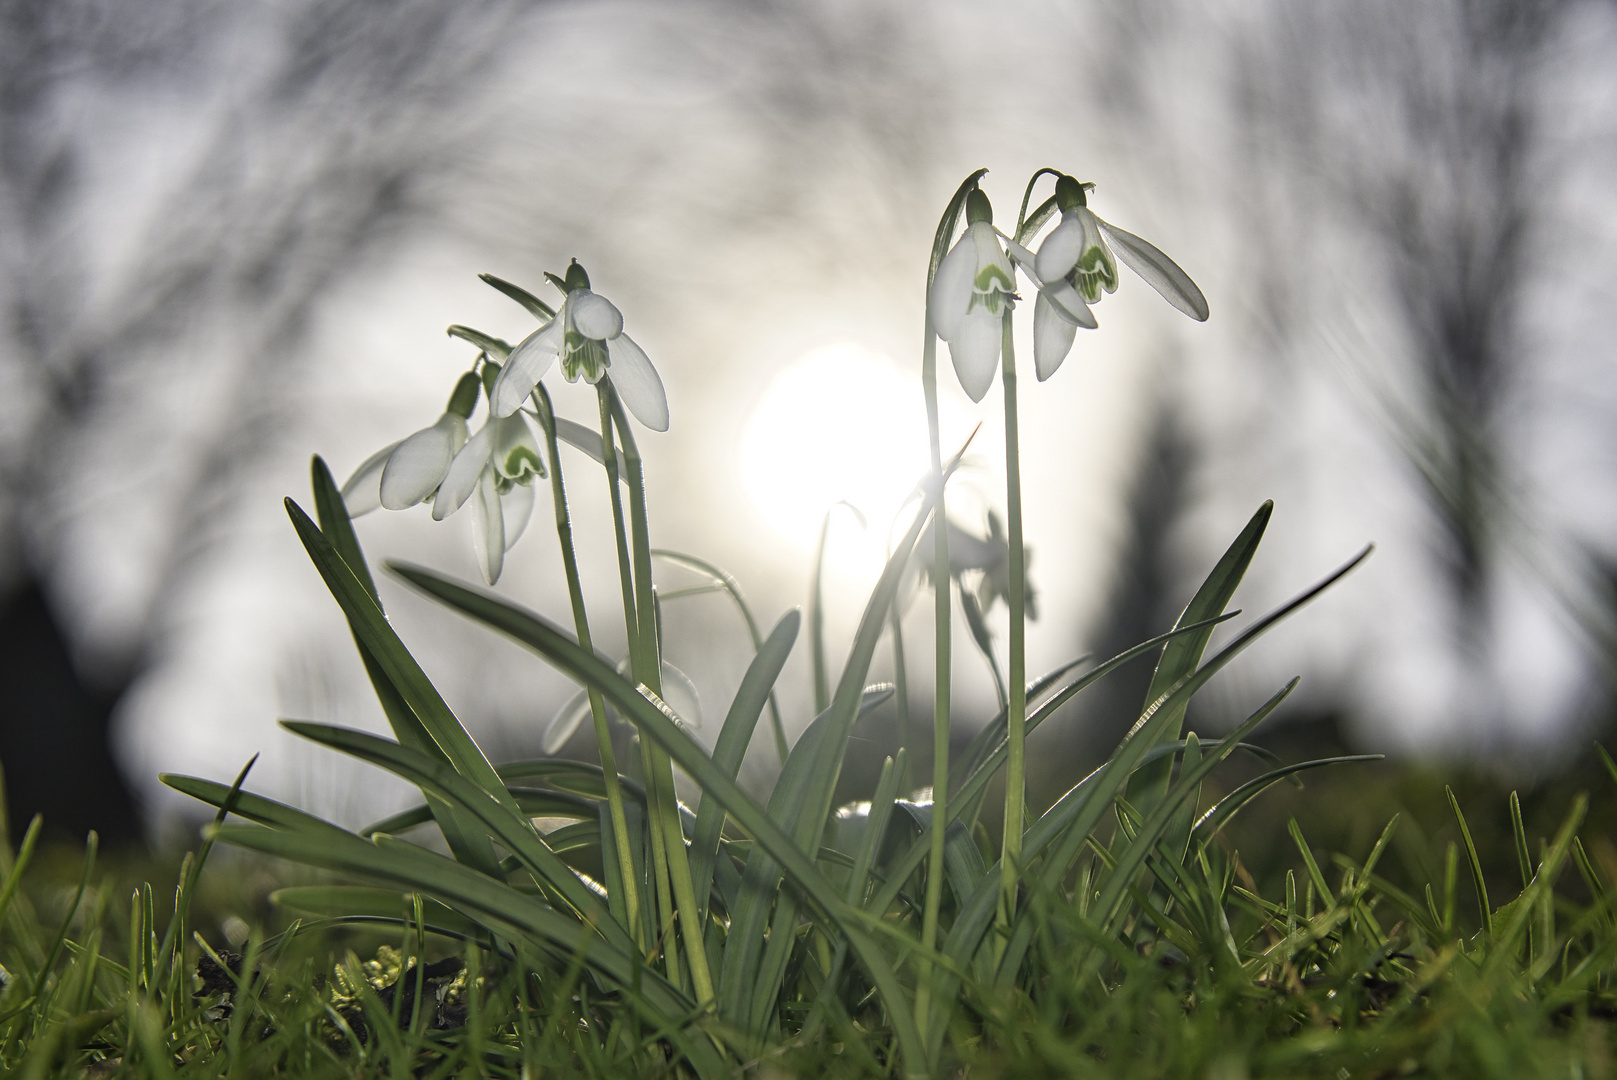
[149,340]
[1420,128]
[1144,599]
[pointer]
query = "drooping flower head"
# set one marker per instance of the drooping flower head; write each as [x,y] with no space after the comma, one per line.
[587,336]
[407,472]
[982,561]
[1075,268]
[498,465]
[974,287]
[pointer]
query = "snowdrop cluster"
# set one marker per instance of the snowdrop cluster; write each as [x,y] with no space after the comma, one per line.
[973,292]
[494,469]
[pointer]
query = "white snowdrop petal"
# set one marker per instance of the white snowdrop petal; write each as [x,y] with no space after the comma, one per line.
[488,527]
[951,288]
[525,366]
[1023,258]
[516,510]
[1093,240]
[1052,337]
[594,315]
[990,254]
[637,382]
[515,451]
[975,352]
[1159,271]
[362,492]
[565,722]
[1069,303]
[461,479]
[418,466]
[1060,250]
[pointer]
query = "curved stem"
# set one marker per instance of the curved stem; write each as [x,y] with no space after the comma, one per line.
[724,580]
[1027,196]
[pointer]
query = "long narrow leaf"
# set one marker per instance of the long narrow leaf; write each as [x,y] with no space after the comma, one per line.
[371,626]
[337,527]
[554,644]
[501,909]
[1181,655]
[509,826]
[734,737]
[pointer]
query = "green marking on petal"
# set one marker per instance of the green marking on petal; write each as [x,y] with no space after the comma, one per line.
[993,278]
[520,463]
[587,359]
[1095,272]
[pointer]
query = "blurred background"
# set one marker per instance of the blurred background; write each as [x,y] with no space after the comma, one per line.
[232,235]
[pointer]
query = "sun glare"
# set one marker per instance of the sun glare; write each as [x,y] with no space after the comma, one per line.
[842,424]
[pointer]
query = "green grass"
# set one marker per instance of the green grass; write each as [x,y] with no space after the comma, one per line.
[1370,981]
[574,918]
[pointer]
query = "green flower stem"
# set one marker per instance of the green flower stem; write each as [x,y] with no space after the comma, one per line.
[901,695]
[816,622]
[940,593]
[609,458]
[648,671]
[625,886]
[940,696]
[1016,711]
[664,913]
[816,608]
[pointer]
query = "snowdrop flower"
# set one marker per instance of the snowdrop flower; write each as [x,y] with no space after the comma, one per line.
[497,466]
[975,285]
[587,336]
[989,556]
[409,471]
[1074,268]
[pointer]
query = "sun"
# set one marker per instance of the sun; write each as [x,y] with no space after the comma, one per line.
[843,424]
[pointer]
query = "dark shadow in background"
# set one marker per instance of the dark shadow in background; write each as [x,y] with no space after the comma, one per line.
[1144,600]
[53,733]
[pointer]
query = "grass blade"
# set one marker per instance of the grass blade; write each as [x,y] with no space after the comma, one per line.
[1231,804]
[1181,656]
[1477,882]
[554,644]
